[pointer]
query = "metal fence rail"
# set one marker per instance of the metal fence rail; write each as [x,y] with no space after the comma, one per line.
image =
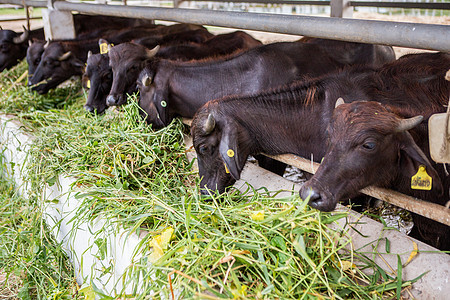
[418,5]
[413,35]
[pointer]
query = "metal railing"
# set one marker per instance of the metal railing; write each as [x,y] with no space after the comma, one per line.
[412,35]
[418,5]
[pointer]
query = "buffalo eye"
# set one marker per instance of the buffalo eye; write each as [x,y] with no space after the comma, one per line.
[37,61]
[202,149]
[369,145]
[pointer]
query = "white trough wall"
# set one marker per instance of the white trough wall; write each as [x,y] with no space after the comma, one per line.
[60,204]
[80,246]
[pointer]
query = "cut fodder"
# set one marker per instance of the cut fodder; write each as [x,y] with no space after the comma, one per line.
[18,99]
[32,264]
[236,245]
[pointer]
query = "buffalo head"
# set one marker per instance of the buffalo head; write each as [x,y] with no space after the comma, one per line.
[34,54]
[126,61]
[13,47]
[55,67]
[147,93]
[99,75]
[222,148]
[368,145]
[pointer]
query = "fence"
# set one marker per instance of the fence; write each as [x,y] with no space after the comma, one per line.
[413,35]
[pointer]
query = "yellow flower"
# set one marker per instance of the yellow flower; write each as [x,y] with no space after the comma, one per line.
[257,215]
[160,243]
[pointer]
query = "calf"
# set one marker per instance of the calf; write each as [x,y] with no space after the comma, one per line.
[294,119]
[60,61]
[162,84]
[13,46]
[128,60]
[381,145]
[63,59]
[99,73]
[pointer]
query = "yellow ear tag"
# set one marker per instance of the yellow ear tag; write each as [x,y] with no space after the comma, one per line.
[226,168]
[421,181]
[230,153]
[163,103]
[88,84]
[103,48]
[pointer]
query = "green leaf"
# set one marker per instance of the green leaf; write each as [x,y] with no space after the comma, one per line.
[399,277]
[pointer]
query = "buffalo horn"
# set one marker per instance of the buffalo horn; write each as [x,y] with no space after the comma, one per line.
[46,44]
[339,101]
[22,38]
[209,125]
[152,52]
[146,81]
[89,53]
[1,28]
[407,124]
[65,56]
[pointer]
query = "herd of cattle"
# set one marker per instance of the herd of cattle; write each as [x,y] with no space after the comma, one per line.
[352,106]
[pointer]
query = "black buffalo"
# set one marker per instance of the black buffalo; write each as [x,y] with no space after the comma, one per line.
[169,88]
[63,59]
[13,46]
[294,119]
[99,73]
[127,60]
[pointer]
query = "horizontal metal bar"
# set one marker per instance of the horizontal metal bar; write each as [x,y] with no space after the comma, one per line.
[413,35]
[19,19]
[424,208]
[427,209]
[287,2]
[418,5]
[28,3]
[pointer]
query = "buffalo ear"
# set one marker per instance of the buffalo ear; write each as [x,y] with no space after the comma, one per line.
[229,151]
[161,102]
[78,63]
[413,157]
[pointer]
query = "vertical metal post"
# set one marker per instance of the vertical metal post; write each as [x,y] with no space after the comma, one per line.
[341,9]
[57,24]
[27,13]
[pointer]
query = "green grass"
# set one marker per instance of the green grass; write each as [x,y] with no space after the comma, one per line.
[33,264]
[214,248]
[20,12]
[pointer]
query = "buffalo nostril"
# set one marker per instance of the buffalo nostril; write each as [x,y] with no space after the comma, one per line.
[111,100]
[89,109]
[204,192]
[309,193]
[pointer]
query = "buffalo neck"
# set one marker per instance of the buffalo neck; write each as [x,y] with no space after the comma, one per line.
[291,120]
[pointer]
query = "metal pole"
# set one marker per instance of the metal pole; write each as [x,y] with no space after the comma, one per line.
[29,3]
[413,35]
[341,9]
[427,209]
